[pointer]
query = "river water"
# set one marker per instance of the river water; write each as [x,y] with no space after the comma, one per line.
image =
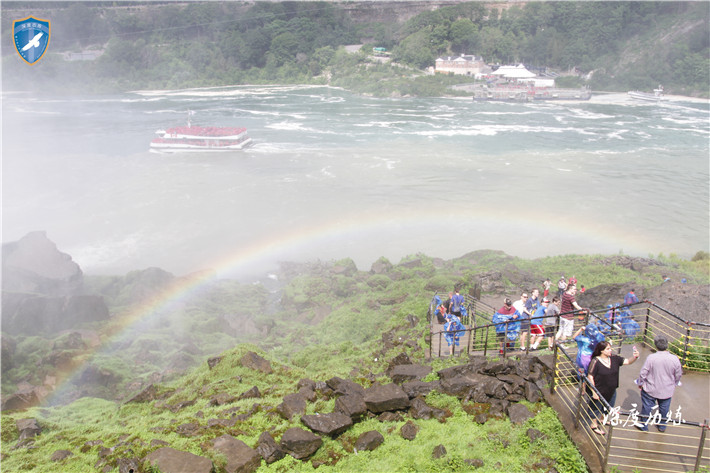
[333,175]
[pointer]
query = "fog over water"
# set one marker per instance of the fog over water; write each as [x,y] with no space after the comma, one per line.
[334,175]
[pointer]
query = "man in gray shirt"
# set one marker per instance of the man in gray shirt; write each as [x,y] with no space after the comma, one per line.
[658,378]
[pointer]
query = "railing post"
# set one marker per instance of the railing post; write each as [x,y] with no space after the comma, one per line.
[607,447]
[485,346]
[701,446]
[645,327]
[580,392]
[554,368]
[685,348]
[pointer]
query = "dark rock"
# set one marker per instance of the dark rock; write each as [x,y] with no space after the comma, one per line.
[293,404]
[369,441]
[241,458]
[409,430]
[32,314]
[518,413]
[439,452]
[128,465]
[421,410]
[190,429]
[389,397]
[169,460]
[60,455]
[381,266]
[28,428]
[306,383]
[409,372]
[474,462]
[214,361]
[532,392]
[498,407]
[390,417]
[22,399]
[401,359]
[269,449]
[420,388]
[221,422]
[344,386]
[300,443]
[256,362]
[352,405]
[534,434]
[460,385]
[147,395]
[332,424]
[480,418]
[497,388]
[158,443]
[222,399]
[252,393]
[33,264]
[308,394]
[413,320]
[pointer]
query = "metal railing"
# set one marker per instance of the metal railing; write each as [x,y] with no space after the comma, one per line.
[680,449]
[620,449]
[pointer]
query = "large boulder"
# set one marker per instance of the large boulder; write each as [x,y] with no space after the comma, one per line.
[169,460]
[256,362]
[369,441]
[241,458]
[352,405]
[34,265]
[300,443]
[269,450]
[389,397]
[332,424]
[37,314]
[409,372]
[293,404]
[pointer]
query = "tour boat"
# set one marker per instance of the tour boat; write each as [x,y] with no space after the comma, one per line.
[192,138]
[656,96]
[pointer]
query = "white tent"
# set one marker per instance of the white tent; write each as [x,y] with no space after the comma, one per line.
[513,72]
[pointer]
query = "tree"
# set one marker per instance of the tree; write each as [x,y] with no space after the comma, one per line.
[464,36]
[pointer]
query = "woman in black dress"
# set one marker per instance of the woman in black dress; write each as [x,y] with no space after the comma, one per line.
[604,375]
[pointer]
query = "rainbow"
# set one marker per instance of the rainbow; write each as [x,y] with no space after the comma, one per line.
[362,228]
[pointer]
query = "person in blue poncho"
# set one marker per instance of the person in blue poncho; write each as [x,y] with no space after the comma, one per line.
[587,338]
[507,313]
[453,330]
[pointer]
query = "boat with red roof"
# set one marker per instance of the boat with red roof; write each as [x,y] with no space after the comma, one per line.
[192,138]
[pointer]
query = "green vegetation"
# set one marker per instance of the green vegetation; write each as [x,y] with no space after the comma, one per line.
[620,45]
[331,320]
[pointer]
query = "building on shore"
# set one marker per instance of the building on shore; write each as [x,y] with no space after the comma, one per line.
[467,65]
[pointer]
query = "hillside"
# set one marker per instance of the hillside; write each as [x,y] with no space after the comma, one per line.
[156,383]
[610,46]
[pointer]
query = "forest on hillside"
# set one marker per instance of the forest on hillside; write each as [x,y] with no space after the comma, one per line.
[623,45]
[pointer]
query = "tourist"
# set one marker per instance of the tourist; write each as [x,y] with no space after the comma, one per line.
[537,332]
[587,338]
[658,378]
[569,304]
[546,284]
[630,298]
[503,326]
[520,307]
[454,329]
[550,321]
[603,374]
[457,301]
[561,286]
[572,281]
[531,305]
